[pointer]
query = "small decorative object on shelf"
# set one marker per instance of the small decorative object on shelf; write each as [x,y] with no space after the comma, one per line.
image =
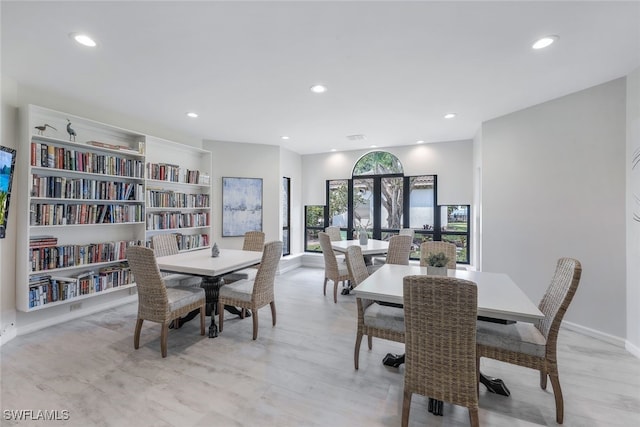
[44,127]
[437,264]
[71,131]
[214,250]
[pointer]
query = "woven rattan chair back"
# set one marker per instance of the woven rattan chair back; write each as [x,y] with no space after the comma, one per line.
[428,248]
[399,250]
[332,270]
[334,233]
[253,241]
[163,245]
[356,265]
[440,342]
[265,277]
[156,302]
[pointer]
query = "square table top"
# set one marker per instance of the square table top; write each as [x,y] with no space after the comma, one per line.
[498,296]
[373,247]
[201,263]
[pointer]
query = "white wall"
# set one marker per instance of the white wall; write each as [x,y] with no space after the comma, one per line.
[8,131]
[232,159]
[291,167]
[633,205]
[553,185]
[451,161]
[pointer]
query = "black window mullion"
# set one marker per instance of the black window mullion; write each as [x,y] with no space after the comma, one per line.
[377,202]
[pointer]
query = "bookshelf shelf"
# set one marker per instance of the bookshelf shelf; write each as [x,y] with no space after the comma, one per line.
[92,191]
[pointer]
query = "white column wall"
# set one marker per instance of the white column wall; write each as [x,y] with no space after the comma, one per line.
[633,205]
[553,185]
[231,159]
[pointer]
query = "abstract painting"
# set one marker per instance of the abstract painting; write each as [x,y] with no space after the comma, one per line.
[241,206]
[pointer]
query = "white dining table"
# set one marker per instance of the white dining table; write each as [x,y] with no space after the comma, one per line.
[373,246]
[498,296]
[201,263]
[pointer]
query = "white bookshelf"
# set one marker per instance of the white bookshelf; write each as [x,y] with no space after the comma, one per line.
[178,192]
[85,201]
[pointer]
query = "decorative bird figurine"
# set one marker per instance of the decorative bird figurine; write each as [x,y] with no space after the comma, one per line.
[71,131]
[44,127]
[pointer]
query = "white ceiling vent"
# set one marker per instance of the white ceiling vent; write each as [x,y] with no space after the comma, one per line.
[358,137]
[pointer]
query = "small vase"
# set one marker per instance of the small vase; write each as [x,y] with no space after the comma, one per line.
[364,238]
[215,251]
[436,271]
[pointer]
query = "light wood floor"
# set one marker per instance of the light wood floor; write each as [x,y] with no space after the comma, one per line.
[299,373]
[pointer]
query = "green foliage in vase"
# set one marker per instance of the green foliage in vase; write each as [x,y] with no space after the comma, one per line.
[438,260]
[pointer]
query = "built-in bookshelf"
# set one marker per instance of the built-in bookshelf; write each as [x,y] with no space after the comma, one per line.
[178,193]
[89,193]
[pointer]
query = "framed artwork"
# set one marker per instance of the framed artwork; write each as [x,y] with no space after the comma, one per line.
[241,206]
[7,165]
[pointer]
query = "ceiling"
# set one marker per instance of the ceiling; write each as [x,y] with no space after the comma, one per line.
[392,69]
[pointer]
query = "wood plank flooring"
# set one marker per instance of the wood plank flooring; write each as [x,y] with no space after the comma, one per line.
[299,373]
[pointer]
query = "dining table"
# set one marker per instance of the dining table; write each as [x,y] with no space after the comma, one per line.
[372,247]
[211,269]
[499,300]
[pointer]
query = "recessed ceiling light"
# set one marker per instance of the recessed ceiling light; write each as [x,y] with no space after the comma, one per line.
[333,149]
[192,115]
[83,39]
[284,137]
[420,142]
[373,146]
[544,42]
[449,115]
[318,89]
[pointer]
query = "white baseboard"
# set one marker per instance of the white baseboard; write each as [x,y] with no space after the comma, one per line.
[611,339]
[36,326]
[631,348]
[290,262]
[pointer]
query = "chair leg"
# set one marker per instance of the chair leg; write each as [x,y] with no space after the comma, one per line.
[136,334]
[543,378]
[557,393]
[164,332]
[406,406]
[220,316]
[335,291]
[202,316]
[273,312]
[370,341]
[254,315]
[356,351]
[473,417]
[324,288]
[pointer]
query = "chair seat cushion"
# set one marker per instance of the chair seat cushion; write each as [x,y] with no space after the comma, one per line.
[519,337]
[180,296]
[246,274]
[384,317]
[240,290]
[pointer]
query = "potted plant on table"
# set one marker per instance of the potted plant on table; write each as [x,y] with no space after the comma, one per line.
[437,264]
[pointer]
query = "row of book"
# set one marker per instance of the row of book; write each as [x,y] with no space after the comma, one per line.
[174,173]
[70,214]
[173,199]
[50,156]
[188,241]
[45,289]
[52,257]
[166,220]
[80,188]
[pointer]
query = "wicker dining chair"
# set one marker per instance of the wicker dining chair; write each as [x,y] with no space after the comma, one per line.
[158,303]
[440,342]
[398,252]
[434,247]
[254,294]
[253,241]
[374,320]
[337,272]
[334,233]
[534,345]
[167,244]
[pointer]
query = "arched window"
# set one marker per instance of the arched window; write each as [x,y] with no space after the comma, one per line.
[377,163]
